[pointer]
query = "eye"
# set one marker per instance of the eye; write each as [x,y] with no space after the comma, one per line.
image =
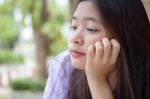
[92,30]
[73,28]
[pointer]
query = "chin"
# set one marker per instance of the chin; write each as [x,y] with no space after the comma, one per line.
[79,64]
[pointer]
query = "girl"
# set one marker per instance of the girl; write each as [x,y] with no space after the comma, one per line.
[108,54]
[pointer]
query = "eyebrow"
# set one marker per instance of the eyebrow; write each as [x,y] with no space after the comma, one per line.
[87,18]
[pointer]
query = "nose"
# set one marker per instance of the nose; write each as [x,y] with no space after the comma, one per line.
[77,39]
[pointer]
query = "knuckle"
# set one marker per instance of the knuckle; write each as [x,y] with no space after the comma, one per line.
[116,45]
[106,46]
[99,49]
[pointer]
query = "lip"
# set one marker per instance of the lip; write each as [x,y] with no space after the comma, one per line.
[76,53]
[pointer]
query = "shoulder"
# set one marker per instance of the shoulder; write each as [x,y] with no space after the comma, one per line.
[58,58]
[57,62]
[59,68]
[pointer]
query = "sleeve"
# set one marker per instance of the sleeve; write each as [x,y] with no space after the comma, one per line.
[48,87]
[54,86]
[53,79]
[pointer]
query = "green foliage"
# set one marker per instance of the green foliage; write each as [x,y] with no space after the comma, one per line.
[51,27]
[36,15]
[7,7]
[55,21]
[25,6]
[8,33]
[1,97]
[9,57]
[58,46]
[8,26]
[28,84]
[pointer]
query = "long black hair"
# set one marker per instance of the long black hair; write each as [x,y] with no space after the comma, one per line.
[128,22]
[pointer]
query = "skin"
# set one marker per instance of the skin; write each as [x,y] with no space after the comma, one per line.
[90,37]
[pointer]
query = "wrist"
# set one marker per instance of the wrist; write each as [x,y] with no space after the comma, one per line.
[100,89]
[99,79]
[98,82]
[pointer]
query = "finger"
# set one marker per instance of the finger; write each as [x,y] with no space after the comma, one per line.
[90,54]
[115,50]
[99,51]
[107,49]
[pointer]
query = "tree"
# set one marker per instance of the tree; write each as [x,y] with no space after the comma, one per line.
[46,23]
[41,40]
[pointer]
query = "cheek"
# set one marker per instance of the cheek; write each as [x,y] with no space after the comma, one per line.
[69,41]
[92,39]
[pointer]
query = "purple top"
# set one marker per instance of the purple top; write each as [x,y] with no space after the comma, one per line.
[59,69]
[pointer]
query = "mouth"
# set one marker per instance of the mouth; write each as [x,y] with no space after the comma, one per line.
[76,53]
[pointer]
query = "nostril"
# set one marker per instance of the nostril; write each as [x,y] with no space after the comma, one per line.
[78,41]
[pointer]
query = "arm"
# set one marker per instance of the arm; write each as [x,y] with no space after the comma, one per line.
[100,64]
[48,88]
[100,90]
[55,83]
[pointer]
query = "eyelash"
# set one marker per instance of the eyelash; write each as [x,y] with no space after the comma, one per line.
[92,30]
[88,29]
[73,28]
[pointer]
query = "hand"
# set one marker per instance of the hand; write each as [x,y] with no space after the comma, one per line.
[101,62]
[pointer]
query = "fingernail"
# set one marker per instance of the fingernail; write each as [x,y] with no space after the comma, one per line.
[96,43]
[105,38]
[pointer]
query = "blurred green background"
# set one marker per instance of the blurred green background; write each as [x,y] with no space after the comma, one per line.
[31,32]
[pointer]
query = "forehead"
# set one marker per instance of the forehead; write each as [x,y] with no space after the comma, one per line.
[86,9]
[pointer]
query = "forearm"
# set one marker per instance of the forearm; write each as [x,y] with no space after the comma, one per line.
[100,90]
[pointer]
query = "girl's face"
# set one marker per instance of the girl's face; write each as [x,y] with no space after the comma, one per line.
[87,28]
